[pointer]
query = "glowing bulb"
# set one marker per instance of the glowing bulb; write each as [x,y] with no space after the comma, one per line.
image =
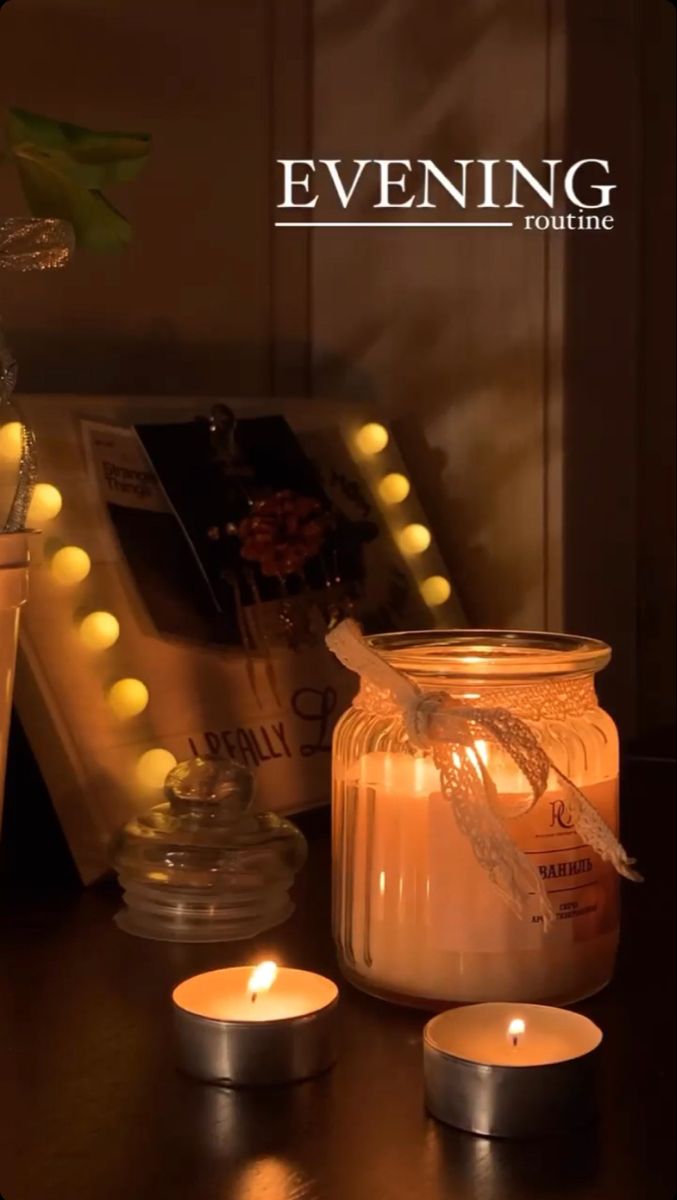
[45,505]
[10,441]
[71,565]
[414,539]
[100,630]
[262,978]
[394,488]
[516,1029]
[435,590]
[128,697]
[154,766]
[371,438]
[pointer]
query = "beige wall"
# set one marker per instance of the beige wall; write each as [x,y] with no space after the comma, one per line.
[446,328]
[446,332]
[188,307]
[459,337]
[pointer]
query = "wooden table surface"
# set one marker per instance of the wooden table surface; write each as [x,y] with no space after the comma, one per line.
[92,1107]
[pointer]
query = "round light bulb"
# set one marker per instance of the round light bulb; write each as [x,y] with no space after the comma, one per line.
[71,565]
[394,488]
[100,630]
[435,590]
[414,539]
[45,504]
[128,698]
[10,441]
[154,766]
[371,438]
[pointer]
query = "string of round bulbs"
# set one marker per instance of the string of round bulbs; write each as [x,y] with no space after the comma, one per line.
[98,630]
[393,488]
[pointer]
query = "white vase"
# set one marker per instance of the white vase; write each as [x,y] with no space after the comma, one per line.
[14,558]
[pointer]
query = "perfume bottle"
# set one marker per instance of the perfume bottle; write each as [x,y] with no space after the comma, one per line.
[203,866]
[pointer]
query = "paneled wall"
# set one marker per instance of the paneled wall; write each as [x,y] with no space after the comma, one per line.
[191,306]
[447,329]
[509,363]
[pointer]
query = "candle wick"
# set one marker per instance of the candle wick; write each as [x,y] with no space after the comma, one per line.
[254,994]
[514,1039]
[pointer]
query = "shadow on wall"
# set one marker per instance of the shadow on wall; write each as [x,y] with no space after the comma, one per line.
[464,464]
[161,363]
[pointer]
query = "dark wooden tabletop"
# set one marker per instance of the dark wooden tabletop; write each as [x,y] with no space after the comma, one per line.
[92,1108]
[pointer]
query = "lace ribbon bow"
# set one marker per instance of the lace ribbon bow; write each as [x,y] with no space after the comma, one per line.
[434,725]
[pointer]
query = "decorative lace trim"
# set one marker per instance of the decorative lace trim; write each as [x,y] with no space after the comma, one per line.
[466,783]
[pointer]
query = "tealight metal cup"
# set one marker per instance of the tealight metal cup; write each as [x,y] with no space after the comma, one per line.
[238,1053]
[508,1101]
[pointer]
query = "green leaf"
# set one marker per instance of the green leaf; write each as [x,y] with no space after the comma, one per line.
[91,159]
[97,225]
[63,167]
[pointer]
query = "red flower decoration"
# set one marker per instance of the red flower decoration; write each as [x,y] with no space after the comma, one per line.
[282,532]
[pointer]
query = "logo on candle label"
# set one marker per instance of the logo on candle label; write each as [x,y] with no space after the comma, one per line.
[581,886]
[560,815]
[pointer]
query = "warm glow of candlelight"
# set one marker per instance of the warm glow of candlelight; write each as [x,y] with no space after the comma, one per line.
[262,978]
[482,751]
[516,1029]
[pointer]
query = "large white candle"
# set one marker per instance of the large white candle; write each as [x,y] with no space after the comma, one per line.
[419,916]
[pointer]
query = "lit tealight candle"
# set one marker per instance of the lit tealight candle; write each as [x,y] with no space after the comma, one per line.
[248,1026]
[491,1070]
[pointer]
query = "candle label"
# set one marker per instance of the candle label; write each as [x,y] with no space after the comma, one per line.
[466,912]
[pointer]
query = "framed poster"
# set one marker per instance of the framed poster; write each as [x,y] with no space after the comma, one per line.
[192,554]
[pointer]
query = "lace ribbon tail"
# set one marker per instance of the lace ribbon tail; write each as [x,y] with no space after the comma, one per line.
[347,642]
[470,790]
[595,831]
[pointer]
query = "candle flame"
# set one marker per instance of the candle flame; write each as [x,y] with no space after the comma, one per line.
[262,978]
[515,1029]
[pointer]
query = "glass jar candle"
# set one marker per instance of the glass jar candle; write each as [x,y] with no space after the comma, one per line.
[417,918]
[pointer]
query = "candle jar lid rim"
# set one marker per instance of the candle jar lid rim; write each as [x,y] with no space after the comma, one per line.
[491,653]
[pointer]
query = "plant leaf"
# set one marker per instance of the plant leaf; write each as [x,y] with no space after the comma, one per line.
[97,225]
[87,157]
[63,168]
